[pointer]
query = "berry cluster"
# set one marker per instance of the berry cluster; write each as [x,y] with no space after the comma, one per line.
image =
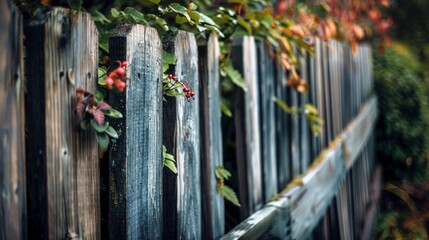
[187,90]
[117,77]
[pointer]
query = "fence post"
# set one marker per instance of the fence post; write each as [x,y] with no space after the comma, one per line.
[247,127]
[62,163]
[12,164]
[212,207]
[182,138]
[135,159]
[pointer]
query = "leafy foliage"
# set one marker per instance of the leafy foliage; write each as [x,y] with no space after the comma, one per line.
[221,175]
[92,110]
[403,126]
[168,160]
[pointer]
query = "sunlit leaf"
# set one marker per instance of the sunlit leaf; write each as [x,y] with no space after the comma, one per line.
[177,8]
[228,194]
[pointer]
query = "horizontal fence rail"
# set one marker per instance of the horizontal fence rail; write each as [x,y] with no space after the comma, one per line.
[56,183]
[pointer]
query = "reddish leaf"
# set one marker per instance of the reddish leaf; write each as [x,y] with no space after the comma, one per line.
[98,116]
[103,105]
[80,109]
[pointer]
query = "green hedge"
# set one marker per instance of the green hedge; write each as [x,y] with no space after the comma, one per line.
[403,126]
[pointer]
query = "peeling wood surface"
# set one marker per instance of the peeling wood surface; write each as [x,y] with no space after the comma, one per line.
[62,159]
[136,157]
[12,144]
[212,206]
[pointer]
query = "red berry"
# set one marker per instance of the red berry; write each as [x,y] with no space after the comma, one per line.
[174,78]
[188,95]
[192,94]
[109,82]
[124,64]
[121,85]
[170,76]
[186,89]
[120,71]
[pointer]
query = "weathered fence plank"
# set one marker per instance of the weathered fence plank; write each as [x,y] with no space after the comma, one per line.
[212,206]
[267,120]
[135,159]
[282,131]
[182,137]
[12,157]
[247,127]
[62,163]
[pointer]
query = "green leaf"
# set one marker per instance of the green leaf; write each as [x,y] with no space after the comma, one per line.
[284,106]
[234,75]
[135,15]
[99,17]
[173,93]
[214,29]
[170,165]
[155,1]
[195,16]
[84,123]
[99,128]
[225,110]
[222,173]
[103,140]
[112,132]
[177,8]
[112,113]
[245,25]
[169,157]
[168,58]
[115,13]
[99,96]
[181,20]
[228,194]
[207,19]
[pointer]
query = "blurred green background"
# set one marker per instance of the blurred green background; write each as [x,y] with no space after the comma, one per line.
[402,85]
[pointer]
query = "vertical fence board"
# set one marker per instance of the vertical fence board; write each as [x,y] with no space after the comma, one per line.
[12,164]
[267,118]
[212,206]
[182,138]
[135,158]
[282,131]
[305,143]
[62,163]
[247,125]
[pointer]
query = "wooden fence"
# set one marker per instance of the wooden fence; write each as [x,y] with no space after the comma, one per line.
[54,185]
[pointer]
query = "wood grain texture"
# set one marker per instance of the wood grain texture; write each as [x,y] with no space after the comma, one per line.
[272,220]
[212,206]
[12,157]
[358,131]
[247,127]
[62,159]
[267,120]
[282,132]
[313,198]
[188,141]
[182,192]
[136,157]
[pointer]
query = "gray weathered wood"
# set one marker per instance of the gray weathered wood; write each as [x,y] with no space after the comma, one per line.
[135,159]
[182,138]
[358,131]
[247,127]
[212,206]
[267,120]
[273,218]
[282,131]
[319,186]
[12,158]
[62,159]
